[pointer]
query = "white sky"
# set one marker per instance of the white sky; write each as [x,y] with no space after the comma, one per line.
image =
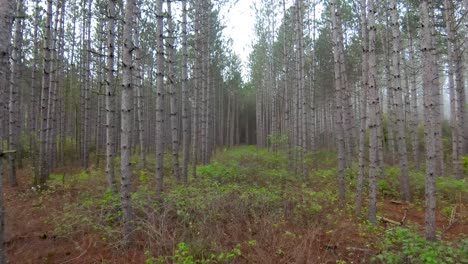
[239,20]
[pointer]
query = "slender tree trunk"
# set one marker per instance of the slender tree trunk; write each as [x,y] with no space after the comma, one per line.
[456,161]
[391,117]
[363,109]
[14,90]
[398,104]
[429,68]
[51,113]
[7,8]
[374,114]
[159,100]
[185,96]
[34,105]
[44,165]
[139,89]
[414,99]
[339,112]
[173,94]
[126,116]
[460,44]
[87,81]
[110,94]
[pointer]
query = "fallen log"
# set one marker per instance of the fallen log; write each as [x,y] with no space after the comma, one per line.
[388,220]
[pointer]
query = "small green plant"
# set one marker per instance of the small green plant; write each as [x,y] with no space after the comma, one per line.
[402,245]
[277,138]
[182,255]
[465,164]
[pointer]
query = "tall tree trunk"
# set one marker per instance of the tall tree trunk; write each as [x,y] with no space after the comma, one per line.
[110,94]
[87,83]
[374,115]
[51,113]
[14,90]
[139,89]
[456,160]
[34,87]
[7,8]
[185,96]
[302,92]
[126,116]
[460,71]
[414,99]
[429,68]
[159,100]
[44,162]
[363,109]
[339,112]
[173,94]
[398,104]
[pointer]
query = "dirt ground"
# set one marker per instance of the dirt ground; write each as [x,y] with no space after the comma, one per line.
[30,239]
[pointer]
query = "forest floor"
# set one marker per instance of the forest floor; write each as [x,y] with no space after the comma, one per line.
[245,207]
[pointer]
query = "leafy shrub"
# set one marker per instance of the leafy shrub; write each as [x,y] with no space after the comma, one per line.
[401,245]
[465,164]
[452,190]
[182,255]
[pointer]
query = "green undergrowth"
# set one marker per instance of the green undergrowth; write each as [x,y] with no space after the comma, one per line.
[242,192]
[239,190]
[404,245]
[449,189]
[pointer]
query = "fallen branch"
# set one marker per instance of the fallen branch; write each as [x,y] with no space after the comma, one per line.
[7,152]
[452,218]
[404,217]
[396,202]
[388,220]
[359,249]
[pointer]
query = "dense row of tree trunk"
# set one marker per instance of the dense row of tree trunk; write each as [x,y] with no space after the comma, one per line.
[83,79]
[381,109]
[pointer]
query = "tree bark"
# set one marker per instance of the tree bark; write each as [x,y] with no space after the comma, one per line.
[173,94]
[126,117]
[159,100]
[14,90]
[449,23]
[374,114]
[185,96]
[139,90]
[43,155]
[339,112]
[110,94]
[429,69]
[7,8]
[363,105]
[414,99]
[398,104]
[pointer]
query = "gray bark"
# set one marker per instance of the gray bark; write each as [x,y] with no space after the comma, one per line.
[449,23]
[363,109]
[13,105]
[414,100]
[43,155]
[339,111]
[429,69]
[374,115]
[185,94]
[126,123]
[110,94]
[139,89]
[7,8]
[173,94]
[34,87]
[159,100]
[398,104]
